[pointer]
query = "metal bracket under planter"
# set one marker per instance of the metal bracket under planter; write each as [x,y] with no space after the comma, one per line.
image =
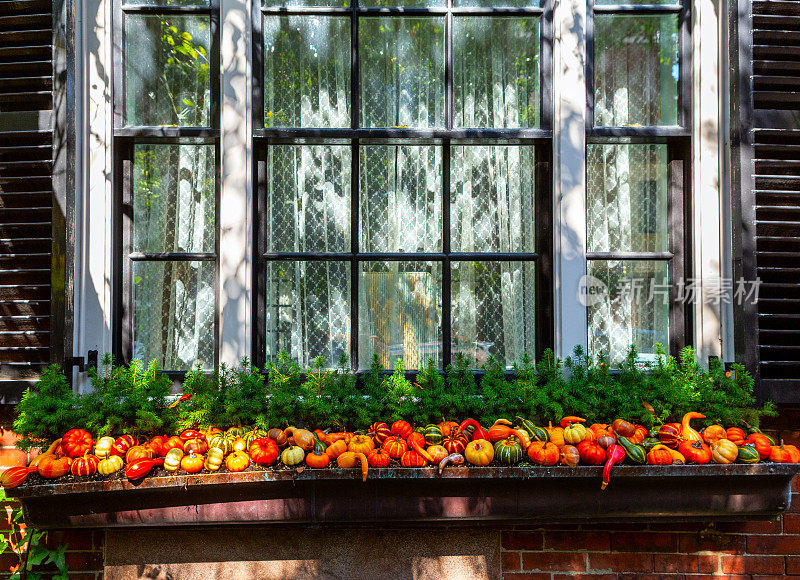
[464,494]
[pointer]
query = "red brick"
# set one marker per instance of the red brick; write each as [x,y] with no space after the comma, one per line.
[84,561]
[522,540]
[752,564]
[678,526]
[711,542]
[621,562]
[720,577]
[796,484]
[795,506]
[75,539]
[774,577]
[644,542]
[84,576]
[650,577]
[791,523]
[511,561]
[593,541]
[526,576]
[685,563]
[754,527]
[632,527]
[773,544]
[793,564]
[554,561]
[586,576]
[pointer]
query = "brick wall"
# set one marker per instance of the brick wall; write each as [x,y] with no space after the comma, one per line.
[754,550]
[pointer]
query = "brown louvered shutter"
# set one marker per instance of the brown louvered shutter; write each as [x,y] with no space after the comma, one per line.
[25,191]
[776,152]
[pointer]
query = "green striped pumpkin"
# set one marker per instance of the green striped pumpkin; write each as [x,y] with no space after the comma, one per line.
[536,433]
[748,454]
[508,451]
[433,434]
[222,441]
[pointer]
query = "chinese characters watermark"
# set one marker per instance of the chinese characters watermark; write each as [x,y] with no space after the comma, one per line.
[645,291]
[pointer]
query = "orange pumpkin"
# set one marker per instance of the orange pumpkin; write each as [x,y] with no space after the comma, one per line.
[762,444]
[448,427]
[51,466]
[380,432]
[669,434]
[556,434]
[378,458]
[361,444]
[543,453]
[192,463]
[402,429]
[660,455]
[736,435]
[197,445]
[479,452]
[303,438]
[794,453]
[278,436]
[413,459]
[437,453]
[237,461]
[139,452]
[318,459]
[569,455]
[779,454]
[395,446]
[639,435]
[713,433]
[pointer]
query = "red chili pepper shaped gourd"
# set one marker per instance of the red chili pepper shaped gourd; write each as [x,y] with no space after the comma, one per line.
[478,433]
[141,467]
[571,419]
[614,454]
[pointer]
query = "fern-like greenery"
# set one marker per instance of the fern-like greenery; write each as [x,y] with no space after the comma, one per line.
[134,398]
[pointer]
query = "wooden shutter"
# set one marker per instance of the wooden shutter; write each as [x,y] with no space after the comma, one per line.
[776,152]
[25,191]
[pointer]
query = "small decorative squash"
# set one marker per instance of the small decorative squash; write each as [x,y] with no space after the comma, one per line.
[378,458]
[780,454]
[714,433]
[762,444]
[437,453]
[535,433]
[15,476]
[479,452]
[303,438]
[110,464]
[574,433]
[252,435]
[316,459]
[197,446]
[174,442]
[239,444]
[76,443]
[735,435]
[223,442]
[639,435]
[687,432]
[238,461]
[172,461]
[556,434]
[192,463]
[122,444]
[508,451]
[543,453]
[395,446]
[187,434]
[402,429]
[448,427]
[660,455]
[293,455]
[433,434]
[214,459]
[86,465]
[695,452]
[336,448]
[794,453]
[455,442]
[157,445]
[361,444]
[669,434]
[51,466]
[569,456]
[102,448]
[350,459]
[413,459]
[264,451]
[139,452]
[724,451]
[748,454]
[623,427]
[380,431]
[279,437]
[591,453]
[606,441]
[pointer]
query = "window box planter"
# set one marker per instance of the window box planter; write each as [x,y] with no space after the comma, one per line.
[464,494]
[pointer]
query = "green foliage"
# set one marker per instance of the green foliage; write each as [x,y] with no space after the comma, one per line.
[47,410]
[34,560]
[133,399]
[128,399]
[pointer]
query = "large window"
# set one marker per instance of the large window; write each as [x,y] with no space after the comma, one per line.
[166,142]
[402,184]
[636,160]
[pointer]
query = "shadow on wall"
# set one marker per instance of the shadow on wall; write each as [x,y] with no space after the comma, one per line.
[283,552]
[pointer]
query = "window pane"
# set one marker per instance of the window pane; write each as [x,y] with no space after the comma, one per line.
[306,71]
[308,198]
[400,313]
[167,70]
[401,199]
[308,310]
[636,70]
[173,198]
[167,2]
[631,308]
[492,198]
[627,198]
[496,3]
[402,72]
[173,313]
[493,305]
[403,3]
[496,80]
[290,3]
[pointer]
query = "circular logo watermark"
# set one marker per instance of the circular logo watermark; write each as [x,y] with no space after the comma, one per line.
[592,291]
